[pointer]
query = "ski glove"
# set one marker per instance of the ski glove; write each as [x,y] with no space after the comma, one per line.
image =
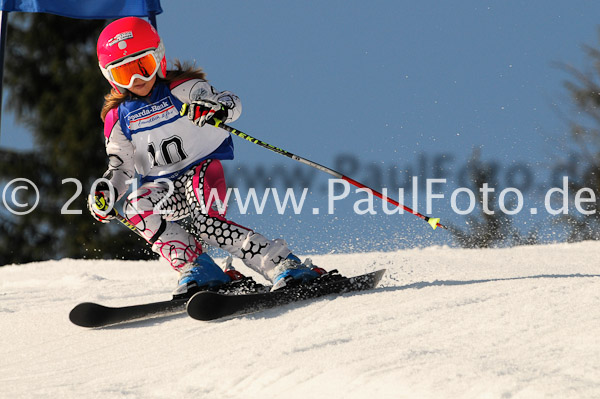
[99,204]
[202,110]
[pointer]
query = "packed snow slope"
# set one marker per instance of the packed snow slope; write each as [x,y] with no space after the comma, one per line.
[446,323]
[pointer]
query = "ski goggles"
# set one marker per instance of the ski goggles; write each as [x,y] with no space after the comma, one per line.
[143,66]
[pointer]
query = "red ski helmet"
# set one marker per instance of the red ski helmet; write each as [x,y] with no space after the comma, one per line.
[130,48]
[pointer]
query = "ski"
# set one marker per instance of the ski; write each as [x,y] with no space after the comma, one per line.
[208,305]
[89,314]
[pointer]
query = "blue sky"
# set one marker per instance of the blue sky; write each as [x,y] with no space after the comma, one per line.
[394,84]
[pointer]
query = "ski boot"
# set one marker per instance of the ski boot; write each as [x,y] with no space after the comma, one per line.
[202,274]
[291,271]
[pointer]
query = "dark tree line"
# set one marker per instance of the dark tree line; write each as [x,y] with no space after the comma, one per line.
[55,87]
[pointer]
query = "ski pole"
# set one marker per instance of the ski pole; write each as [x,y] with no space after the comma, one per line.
[433,222]
[102,205]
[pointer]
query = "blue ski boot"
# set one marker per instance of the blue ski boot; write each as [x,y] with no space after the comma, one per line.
[292,271]
[202,273]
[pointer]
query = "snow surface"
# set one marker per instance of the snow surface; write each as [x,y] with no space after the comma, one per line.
[447,323]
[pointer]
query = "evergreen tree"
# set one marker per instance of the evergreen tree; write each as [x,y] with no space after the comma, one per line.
[584,88]
[490,227]
[56,88]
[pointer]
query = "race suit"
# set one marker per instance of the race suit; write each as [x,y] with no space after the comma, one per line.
[179,166]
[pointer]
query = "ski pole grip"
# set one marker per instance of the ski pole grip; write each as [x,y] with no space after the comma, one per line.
[100,202]
[184,109]
[102,205]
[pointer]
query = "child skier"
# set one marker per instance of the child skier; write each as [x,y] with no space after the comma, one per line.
[178,159]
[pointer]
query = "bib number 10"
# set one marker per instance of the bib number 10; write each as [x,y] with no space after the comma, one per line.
[170,151]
